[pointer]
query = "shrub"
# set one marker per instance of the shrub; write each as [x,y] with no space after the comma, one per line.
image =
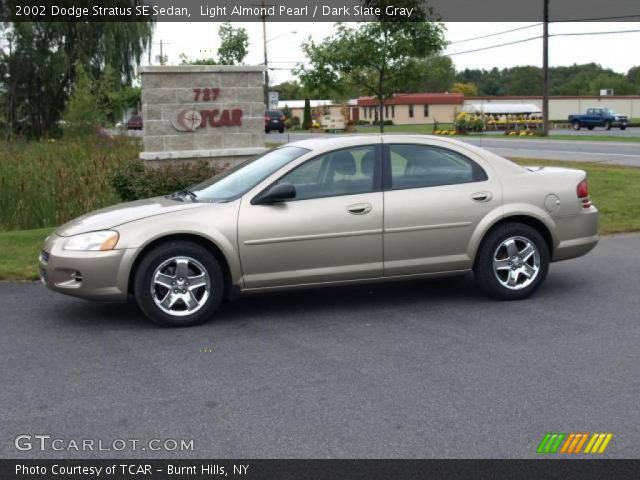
[386,122]
[46,183]
[295,121]
[363,122]
[134,180]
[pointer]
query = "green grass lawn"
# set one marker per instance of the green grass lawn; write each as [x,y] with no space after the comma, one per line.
[614,191]
[19,253]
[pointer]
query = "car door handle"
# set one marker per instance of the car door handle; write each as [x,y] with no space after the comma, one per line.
[359,208]
[481,196]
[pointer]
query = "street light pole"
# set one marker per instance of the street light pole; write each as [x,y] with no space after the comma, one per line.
[266,62]
[545,70]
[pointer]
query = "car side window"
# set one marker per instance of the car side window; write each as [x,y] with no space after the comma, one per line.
[347,171]
[419,166]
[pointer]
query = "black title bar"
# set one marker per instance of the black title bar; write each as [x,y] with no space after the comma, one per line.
[317,11]
[318,469]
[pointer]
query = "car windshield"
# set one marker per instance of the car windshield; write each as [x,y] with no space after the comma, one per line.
[237,181]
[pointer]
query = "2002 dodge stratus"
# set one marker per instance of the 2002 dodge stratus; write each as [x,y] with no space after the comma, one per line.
[326,212]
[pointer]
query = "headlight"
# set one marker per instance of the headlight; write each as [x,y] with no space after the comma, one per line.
[93,241]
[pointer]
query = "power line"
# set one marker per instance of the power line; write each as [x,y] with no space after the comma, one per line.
[494,34]
[492,46]
[592,19]
[611,32]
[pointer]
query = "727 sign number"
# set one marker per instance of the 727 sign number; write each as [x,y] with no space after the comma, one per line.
[206,94]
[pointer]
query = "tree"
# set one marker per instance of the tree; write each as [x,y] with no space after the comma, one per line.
[306,116]
[467,89]
[633,76]
[376,57]
[290,90]
[185,60]
[435,74]
[39,68]
[83,111]
[234,44]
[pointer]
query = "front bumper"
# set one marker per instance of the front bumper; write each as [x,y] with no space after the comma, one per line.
[91,275]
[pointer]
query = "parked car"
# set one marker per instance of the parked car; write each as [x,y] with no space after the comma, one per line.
[135,122]
[274,120]
[598,117]
[329,211]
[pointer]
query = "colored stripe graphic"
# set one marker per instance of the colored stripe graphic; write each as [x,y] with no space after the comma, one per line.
[598,443]
[573,442]
[551,442]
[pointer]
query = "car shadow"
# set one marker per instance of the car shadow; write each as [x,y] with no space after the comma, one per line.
[346,300]
[292,303]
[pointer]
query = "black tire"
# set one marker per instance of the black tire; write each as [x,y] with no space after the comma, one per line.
[201,259]
[576,126]
[491,246]
[590,128]
[607,125]
[623,127]
[281,130]
[267,130]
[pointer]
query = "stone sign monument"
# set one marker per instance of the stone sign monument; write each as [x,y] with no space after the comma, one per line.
[211,112]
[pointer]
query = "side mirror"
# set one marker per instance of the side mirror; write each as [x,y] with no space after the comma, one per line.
[277,193]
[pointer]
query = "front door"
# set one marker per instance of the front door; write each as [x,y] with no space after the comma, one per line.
[331,231]
[434,198]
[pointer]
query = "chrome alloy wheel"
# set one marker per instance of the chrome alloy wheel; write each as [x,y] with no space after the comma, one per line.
[516,263]
[180,286]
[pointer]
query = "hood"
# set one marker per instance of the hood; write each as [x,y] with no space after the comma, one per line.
[110,217]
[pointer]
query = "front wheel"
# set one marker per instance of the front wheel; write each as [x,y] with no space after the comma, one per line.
[179,284]
[623,127]
[512,262]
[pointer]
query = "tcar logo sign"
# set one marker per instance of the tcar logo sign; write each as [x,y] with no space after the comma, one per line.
[190,119]
[186,120]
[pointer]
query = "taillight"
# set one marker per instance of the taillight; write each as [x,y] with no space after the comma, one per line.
[583,193]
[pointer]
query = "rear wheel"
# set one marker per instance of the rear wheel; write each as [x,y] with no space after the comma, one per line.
[281,130]
[267,130]
[623,127]
[512,261]
[576,126]
[179,283]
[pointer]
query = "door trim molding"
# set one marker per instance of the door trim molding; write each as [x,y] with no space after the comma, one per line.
[319,236]
[418,228]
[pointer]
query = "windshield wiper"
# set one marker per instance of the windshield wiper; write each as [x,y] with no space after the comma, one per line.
[185,193]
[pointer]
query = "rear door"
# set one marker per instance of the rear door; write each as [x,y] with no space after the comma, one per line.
[434,198]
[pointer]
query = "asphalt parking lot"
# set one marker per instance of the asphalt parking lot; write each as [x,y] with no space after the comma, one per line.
[422,369]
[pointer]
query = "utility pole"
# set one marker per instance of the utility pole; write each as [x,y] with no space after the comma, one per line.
[545,70]
[266,64]
[160,58]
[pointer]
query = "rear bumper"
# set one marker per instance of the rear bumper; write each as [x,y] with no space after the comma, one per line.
[577,234]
